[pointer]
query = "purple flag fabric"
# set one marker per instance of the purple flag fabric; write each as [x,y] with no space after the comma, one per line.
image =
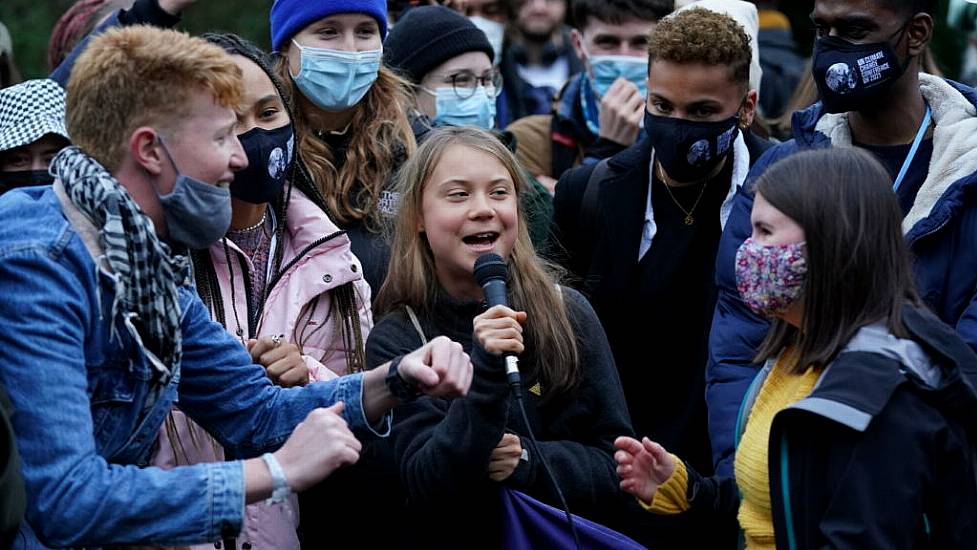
[529,524]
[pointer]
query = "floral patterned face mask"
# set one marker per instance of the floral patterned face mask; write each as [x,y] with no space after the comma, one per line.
[770,277]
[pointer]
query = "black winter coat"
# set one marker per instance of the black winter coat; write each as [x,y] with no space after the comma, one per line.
[442,447]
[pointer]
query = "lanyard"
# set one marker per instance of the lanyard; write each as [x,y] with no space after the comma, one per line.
[912,150]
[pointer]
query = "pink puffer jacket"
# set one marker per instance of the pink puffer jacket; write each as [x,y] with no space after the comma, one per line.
[317,259]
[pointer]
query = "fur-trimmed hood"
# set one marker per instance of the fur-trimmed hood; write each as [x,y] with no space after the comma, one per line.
[954,160]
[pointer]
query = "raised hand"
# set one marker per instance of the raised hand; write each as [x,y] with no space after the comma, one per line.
[175,7]
[440,368]
[318,446]
[283,361]
[621,110]
[643,466]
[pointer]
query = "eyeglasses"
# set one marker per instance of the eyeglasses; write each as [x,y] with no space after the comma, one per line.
[465,83]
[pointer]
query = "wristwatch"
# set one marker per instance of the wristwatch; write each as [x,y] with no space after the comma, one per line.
[280,489]
[398,386]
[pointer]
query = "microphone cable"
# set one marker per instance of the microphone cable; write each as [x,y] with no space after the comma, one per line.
[515,384]
[491,273]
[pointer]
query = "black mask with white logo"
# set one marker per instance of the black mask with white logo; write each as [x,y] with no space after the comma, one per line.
[690,150]
[851,77]
[269,160]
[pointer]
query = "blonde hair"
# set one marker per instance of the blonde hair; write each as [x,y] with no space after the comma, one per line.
[412,278]
[381,137]
[140,76]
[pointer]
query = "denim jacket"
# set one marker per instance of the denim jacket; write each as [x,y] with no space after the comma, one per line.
[79,389]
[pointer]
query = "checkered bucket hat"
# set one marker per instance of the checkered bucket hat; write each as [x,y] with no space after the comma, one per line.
[30,110]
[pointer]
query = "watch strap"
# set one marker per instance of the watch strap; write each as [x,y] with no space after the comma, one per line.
[398,386]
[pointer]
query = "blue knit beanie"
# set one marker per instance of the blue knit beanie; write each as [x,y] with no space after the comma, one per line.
[288,17]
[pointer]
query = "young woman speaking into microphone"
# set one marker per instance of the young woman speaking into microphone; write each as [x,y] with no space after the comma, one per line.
[459,201]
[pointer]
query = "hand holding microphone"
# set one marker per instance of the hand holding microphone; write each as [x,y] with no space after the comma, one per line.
[498,330]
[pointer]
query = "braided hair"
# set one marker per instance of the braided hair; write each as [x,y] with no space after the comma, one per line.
[343,297]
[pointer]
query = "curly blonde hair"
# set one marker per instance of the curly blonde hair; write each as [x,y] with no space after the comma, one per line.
[699,35]
[142,76]
[381,139]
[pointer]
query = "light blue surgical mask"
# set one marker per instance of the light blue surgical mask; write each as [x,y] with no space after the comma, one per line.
[336,80]
[605,69]
[197,213]
[476,110]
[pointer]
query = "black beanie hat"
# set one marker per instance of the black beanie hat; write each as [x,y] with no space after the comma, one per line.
[426,37]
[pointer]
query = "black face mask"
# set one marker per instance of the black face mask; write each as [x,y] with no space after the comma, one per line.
[24,178]
[689,150]
[850,77]
[269,161]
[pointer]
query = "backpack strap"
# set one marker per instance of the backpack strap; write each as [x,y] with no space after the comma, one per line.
[417,323]
[749,399]
[591,194]
[565,151]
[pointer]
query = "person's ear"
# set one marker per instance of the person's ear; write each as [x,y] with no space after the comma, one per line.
[919,32]
[748,110]
[145,149]
[576,39]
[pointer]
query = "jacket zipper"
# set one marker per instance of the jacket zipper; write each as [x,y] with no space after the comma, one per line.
[281,272]
[255,313]
[300,255]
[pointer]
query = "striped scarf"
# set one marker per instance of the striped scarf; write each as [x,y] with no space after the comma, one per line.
[146,274]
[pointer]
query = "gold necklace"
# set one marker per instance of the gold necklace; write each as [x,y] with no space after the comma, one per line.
[689,219]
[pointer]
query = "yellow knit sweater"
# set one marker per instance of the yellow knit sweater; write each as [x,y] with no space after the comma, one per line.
[780,390]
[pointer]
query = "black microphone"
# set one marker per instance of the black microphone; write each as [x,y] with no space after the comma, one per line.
[490,272]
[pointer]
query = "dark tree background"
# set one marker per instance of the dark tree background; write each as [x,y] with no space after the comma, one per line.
[30,23]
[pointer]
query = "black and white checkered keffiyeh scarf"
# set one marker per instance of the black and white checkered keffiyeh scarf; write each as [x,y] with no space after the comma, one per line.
[145,271]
